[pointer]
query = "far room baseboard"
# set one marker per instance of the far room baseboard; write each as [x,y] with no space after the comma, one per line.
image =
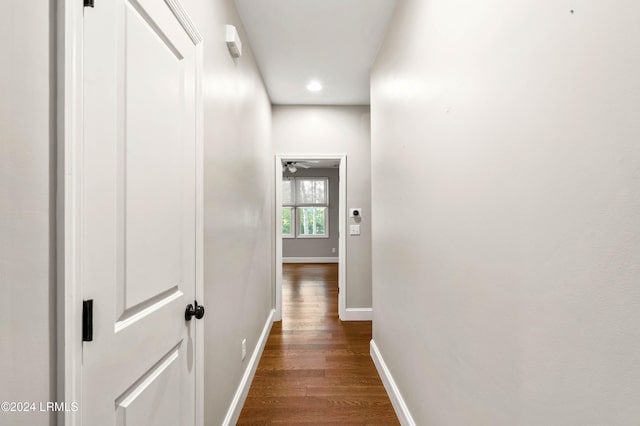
[400,407]
[233,413]
[309,260]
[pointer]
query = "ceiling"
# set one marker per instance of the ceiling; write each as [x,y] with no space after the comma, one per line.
[332,41]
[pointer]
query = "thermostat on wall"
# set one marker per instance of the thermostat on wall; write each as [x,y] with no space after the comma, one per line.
[233,41]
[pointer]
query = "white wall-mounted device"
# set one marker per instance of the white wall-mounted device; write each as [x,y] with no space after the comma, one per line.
[356,212]
[233,41]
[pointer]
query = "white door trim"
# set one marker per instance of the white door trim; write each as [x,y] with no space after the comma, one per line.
[69,48]
[342,222]
[70,108]
[199,331]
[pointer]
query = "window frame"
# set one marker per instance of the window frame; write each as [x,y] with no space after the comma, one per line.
[291,206]
[299,222]
[293,222]
[295,206]
[298,206]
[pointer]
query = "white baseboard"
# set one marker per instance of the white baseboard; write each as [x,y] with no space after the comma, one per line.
[401,409]
[358,314]
[309,260]
[233,413]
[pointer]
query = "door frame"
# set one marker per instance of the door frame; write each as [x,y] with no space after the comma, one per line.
[342,230]
[69,183]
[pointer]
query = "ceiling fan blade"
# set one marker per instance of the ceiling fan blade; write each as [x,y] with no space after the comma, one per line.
[303,165]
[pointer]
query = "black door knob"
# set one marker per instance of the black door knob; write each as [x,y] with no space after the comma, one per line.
[194,311]
[199,311]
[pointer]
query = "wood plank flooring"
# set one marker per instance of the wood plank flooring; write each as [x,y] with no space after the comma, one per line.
[315,369]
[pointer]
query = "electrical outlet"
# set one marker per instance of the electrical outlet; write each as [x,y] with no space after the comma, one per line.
[244,349]
[354,229]
[333,250]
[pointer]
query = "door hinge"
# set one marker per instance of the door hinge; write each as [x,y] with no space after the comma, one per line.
[88,3]
[87,320]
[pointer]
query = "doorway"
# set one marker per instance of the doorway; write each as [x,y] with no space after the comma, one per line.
[296,227]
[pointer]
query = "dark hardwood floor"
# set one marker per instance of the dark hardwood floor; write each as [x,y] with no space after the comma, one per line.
[316,369]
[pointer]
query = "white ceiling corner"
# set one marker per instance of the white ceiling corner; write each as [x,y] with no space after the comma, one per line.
[333,41]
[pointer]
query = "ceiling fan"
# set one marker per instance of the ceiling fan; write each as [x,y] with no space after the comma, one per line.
[293,166]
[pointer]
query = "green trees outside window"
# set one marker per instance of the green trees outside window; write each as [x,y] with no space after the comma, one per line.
[287,221]
[312,221]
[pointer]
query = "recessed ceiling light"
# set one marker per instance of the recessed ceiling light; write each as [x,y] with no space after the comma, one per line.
[314,86]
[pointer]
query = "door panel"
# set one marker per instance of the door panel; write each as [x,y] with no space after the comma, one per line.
[138,227]
[151,400]
[153,89]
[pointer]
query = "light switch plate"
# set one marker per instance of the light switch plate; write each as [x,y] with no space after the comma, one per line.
[354,229]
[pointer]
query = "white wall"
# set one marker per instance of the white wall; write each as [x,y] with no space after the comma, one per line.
[27,209]
[317,247]
[238,204]
[337,130]
[506,208]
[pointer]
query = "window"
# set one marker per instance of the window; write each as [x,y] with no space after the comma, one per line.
[288,208]
[305,203]
[311,192]
[288,221]
[312,222]
[288,192]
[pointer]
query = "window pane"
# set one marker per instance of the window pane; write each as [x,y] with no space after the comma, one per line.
[286,221]
[287,192]
[313,221]
[311,191]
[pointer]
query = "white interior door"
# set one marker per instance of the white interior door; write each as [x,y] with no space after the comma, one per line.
[139,214]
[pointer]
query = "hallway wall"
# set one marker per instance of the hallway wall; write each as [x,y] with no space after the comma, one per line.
[505,177]
[238,204]
[337,130]
[27,208]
